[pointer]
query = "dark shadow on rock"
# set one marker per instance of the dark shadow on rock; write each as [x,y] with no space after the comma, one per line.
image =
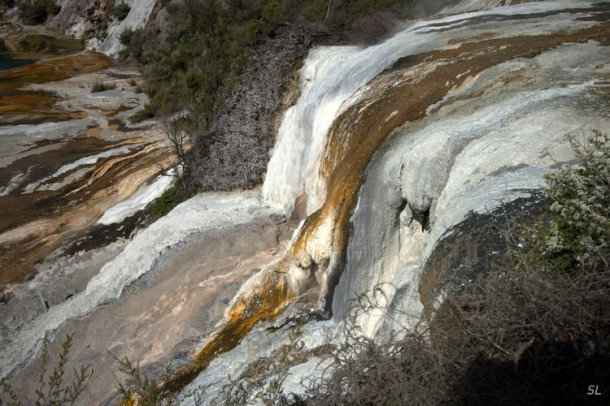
[548,373]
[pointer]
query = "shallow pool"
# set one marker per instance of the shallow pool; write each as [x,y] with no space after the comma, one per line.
[6,62]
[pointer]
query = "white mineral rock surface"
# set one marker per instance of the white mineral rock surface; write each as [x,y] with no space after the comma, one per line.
[146,194]
[199,214]
[485,143]
[137,18]
[302,134]
[468,158]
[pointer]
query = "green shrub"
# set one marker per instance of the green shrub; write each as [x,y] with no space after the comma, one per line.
[125,37]
[141,386]
[575,234]
[123,55]
[166,203]
[38,11]
[273,12]
[146,113]
[120,11]
[7,4]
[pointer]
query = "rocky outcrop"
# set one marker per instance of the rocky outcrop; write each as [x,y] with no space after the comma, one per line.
[511,129]
[420,102]
[450,118]
[155,299]
[394,149]
[69,154]
[92,20]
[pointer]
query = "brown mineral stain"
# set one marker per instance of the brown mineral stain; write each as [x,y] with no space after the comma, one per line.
[32,107]
[33,224]
[53,69]
[399,97]
[396,98]
[94,132]
[265,302]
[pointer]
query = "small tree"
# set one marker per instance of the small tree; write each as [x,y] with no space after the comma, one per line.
[177,136]
[577,232]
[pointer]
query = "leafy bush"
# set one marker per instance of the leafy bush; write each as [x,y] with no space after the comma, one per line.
[163,205]
[125,37]
[142,387]
[119,11]
[144,114]
[145,387]
[577,230]
[38,11]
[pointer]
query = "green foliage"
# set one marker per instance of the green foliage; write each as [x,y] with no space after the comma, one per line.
[38,11]
[576,232]
[197,59]
[273,12]
[119,11]
[7,4]
[166,203]
[125,38]
[144,114]
[141,386]
[52,390]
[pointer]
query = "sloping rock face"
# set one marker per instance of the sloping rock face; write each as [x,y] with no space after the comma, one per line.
[67,155]
[488,142]
[397,144]
[391,148]
[76,16]
[154,300]
[472,110]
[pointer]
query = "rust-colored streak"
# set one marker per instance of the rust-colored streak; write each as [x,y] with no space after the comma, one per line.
[265,302]
[394,99]
[16,208]
[423,80]
[31,107]
[53,69]
[33,224]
